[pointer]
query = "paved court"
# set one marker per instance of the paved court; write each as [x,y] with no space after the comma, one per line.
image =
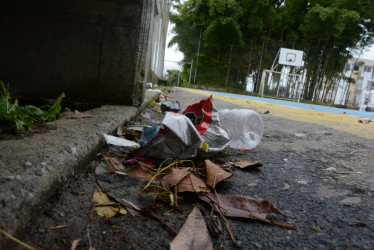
[341,119]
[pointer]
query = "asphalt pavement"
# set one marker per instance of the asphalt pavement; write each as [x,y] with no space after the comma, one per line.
[320,176]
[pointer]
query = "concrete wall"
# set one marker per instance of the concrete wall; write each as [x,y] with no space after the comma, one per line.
[93,50]
[157,40]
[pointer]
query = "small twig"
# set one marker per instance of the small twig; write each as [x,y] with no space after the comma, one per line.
[361,154]
[131,205]
[160,170]
[226,224]
[59,227]
[218,209]
[153,215]
[211,225]
[175,196]
[278,223]
[38,244]
[88,237]
[16,240]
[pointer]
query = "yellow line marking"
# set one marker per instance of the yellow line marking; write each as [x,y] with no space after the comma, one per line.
[340,122]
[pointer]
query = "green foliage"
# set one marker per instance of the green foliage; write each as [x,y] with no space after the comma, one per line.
[242,37]
[52,111]
[24,117]
[150,102]
[172,76]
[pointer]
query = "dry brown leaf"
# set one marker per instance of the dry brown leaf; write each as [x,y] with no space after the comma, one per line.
[115,163]
[267,112]
[364,121]
[242,206]
[120,129]
[143,170]
[245,207]
[193,234]
[140,173]
[215,174]
[103,168]
[191,183]
[74,244]
[247,164]
[74,115]
[175,176]
[227,164]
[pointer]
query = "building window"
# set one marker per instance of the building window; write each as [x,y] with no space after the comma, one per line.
[366,100]
[367,69]
[356,67]
[359,84]
[347,66]
[371,85]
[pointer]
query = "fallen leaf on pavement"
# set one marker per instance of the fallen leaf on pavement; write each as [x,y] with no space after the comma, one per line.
[115,163]
[193,234]
[175,176]
[74,115]
[244,207]
[227,164]
[361,154]
[112,164]
[247,164]
[191,183]
[215,174]
[74,244]
[103,168]
[104,207]
[125,187]
[364,121]
[142,170]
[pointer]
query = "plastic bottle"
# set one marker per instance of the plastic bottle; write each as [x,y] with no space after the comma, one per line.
[244,127]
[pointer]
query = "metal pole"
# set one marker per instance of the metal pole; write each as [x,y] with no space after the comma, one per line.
[228,68]
[189,79]
[259,67]
[197,57]
[178,78]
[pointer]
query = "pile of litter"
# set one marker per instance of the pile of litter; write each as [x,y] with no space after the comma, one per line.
[174,160]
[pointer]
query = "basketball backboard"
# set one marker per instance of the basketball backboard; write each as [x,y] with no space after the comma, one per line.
[291,57]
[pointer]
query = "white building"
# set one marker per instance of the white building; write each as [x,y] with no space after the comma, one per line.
[360,93]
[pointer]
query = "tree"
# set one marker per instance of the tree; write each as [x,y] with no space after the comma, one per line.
[239,38]
[172,76]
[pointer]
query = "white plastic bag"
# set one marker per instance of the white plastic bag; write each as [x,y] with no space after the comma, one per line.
[244,127]
[183,134]
[178,138]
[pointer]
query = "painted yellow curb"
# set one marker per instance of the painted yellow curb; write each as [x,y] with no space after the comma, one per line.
[341,122]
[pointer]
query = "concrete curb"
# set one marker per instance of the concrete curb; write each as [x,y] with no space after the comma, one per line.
[33,168]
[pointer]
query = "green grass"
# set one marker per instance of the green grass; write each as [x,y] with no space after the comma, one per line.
[25,117]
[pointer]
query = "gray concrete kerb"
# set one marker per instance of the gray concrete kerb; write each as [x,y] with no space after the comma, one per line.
[33,168]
